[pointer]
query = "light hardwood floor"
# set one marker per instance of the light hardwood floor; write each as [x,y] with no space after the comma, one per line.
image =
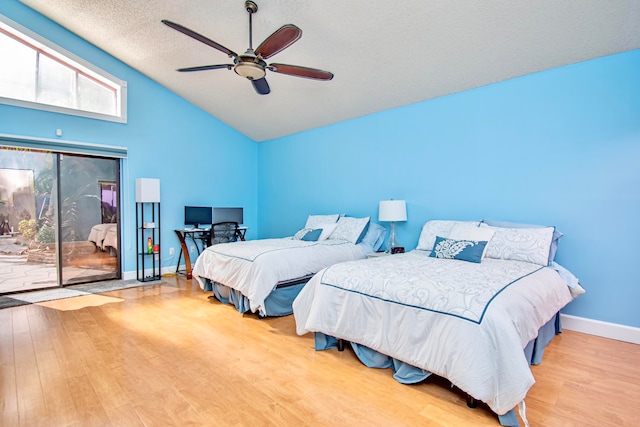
[165,355]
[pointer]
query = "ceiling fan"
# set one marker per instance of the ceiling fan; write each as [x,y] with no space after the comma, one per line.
[251,64]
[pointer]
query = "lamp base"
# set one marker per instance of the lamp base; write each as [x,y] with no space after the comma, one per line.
[392,243]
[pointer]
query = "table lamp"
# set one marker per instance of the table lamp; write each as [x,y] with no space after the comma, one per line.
[392,210]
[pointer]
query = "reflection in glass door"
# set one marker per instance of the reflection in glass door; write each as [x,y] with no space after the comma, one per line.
[28,218]
[88,219]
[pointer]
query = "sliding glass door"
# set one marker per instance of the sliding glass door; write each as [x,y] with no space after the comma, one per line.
[59,219]
[88,218]
[28,213]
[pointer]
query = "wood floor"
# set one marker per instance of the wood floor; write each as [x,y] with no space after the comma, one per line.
[165,355]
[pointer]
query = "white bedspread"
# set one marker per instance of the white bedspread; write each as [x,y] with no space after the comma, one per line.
[104,235]
[464,321]
[254,267]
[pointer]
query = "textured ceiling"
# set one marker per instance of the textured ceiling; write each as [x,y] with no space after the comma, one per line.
[384,53]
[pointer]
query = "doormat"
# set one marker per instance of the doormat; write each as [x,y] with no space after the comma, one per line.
[24,298]
[6,302]
[112,285]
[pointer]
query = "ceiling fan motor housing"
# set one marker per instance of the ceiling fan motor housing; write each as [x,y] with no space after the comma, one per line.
[250,66]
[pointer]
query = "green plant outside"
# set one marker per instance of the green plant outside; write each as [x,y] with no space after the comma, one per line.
[46,234]
[27,228]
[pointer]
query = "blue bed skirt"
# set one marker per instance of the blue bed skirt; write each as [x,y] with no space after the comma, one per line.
[278,303]
[408,374]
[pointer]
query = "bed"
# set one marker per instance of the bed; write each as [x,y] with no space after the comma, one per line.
[104,236]
[264,276]
[473,303]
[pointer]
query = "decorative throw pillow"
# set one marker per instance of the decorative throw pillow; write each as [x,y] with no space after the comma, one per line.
[316,221]
[300,233]
[312,235]
[349,229]
[464,250]
[470,231]
[308,234]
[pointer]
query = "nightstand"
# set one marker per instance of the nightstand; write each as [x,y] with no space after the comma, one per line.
[377,254]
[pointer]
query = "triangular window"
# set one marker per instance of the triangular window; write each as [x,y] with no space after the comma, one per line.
[35,73]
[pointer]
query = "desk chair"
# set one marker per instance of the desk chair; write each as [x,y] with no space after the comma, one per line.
[223,232]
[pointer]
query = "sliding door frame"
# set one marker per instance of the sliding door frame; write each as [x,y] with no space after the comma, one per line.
[59,148]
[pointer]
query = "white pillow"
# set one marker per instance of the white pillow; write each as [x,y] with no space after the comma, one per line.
[327,229]
[374,237]
[317,221]
[520,244]
[437,227]
[349,229]
[557,234]
[470,231]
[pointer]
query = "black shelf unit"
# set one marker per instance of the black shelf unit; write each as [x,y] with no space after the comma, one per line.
[148,227]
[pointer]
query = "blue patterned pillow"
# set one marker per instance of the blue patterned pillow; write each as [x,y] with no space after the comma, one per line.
[312,235]
[308,234]
[464,250]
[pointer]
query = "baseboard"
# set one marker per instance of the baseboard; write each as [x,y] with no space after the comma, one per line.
[128,275]
[131,275]
[613,331]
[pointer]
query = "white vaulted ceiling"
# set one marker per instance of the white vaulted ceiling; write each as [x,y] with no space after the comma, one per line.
[384,53]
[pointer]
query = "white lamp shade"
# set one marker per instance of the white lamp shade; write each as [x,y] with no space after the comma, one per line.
[392,210]
[147,190]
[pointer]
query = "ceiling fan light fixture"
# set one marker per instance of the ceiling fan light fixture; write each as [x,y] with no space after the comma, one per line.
[249,70]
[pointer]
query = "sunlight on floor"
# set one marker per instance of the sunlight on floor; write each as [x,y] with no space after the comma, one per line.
[76,303]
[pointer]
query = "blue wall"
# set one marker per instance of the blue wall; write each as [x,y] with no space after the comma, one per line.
[560,147]
[167,138]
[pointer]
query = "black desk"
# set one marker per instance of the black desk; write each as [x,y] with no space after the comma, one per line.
[241,232]
[196,235]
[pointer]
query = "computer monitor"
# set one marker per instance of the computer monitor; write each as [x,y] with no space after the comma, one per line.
[197,215]
[228,214]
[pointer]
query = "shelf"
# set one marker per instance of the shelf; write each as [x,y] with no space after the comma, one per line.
[147,268]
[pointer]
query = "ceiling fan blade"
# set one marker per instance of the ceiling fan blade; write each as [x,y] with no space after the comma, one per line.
[199,37]
[261,86]
[294,70]
[282,38]
[206,67]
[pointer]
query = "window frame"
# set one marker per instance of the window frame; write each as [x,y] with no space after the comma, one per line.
[73,62]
